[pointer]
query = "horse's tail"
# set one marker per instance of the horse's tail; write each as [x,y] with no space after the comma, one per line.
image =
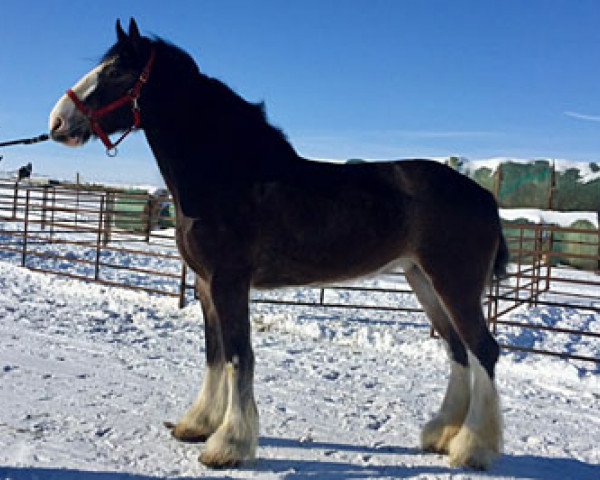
[502,258]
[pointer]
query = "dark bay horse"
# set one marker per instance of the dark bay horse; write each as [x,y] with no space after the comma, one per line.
[251,213]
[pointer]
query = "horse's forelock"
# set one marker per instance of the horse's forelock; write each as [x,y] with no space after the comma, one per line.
[138,56]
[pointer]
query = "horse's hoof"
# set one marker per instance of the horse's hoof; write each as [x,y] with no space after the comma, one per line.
[468,449]
[184,434]
[226,452]
[436,436]
[218,460]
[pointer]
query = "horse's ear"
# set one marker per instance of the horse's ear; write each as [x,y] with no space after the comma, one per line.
[134,31]
[121,35]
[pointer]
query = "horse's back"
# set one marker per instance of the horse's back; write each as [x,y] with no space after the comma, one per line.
[328,222]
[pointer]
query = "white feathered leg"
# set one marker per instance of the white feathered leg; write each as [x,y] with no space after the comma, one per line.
[236,438]
[438,432]
[206,414]
[479,441]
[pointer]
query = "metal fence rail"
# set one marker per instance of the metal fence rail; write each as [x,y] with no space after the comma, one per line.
[536,281]
[111,237]
[89,236]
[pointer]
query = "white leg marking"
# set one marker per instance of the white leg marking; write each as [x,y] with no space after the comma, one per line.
[207,412]
[479,440]
[236,439]
[438,432]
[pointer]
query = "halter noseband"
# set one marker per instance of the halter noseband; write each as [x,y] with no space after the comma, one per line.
[131,97]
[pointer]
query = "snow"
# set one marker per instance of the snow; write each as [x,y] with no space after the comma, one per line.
[586,171]
[562,219]
[89,373]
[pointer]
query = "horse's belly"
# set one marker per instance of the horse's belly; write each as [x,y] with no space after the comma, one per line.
[313,262]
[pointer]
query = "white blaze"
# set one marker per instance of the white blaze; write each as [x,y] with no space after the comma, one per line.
[65,109]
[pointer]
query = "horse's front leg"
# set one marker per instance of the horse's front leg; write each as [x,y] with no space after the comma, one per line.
[236,437]
[207,412]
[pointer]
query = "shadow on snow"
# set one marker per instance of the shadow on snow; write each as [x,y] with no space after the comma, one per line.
[514,466]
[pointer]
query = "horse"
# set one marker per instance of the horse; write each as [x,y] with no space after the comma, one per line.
[253,213]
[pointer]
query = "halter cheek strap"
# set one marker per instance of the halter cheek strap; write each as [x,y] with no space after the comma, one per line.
[130,97]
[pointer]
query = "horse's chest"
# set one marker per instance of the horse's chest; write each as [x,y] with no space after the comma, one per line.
[208,246]
[192,253]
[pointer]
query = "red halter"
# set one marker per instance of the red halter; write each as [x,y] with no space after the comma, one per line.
[130,97]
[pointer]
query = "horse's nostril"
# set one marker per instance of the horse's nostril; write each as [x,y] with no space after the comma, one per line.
[57,123]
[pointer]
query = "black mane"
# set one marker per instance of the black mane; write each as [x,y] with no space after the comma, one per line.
[214,105]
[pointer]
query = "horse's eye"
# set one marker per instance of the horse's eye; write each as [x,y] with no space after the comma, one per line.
[112,73]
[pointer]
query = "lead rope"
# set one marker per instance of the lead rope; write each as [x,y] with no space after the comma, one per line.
[26,141]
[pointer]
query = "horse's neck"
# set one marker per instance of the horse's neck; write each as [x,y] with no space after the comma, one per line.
[191,136]
[200,151]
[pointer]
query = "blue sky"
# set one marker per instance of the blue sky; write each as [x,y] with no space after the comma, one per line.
[372,79]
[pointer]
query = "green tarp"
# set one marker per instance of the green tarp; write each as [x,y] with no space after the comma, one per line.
[530,185]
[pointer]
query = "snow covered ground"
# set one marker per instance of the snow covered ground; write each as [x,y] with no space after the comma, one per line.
[89,373]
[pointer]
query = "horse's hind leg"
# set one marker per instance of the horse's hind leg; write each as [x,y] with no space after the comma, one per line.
[438,432]
[479,440]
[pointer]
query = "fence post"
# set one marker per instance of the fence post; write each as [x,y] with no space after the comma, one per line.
[496,302]
[15,200]
[77,201]
[149,205]
[110,207]
[182,284]
[52,211]
[548,259]
[25,229]
[550,205]
[99,239]
[490,299]
[44,207]
[537,265]
[494,293]
[533,266]
[519,265]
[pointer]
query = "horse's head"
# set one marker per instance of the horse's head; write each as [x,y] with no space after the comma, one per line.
[105,100]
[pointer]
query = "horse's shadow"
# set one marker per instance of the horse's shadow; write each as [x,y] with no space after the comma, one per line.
[515,466]
[56,473]
[509,466]
[544,468]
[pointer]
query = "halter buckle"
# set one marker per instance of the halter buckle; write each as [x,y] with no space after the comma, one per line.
[112,152]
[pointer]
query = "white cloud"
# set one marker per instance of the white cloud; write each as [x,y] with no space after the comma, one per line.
[444,133]
[582,116]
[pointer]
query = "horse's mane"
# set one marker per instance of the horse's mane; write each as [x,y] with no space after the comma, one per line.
[247,118]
